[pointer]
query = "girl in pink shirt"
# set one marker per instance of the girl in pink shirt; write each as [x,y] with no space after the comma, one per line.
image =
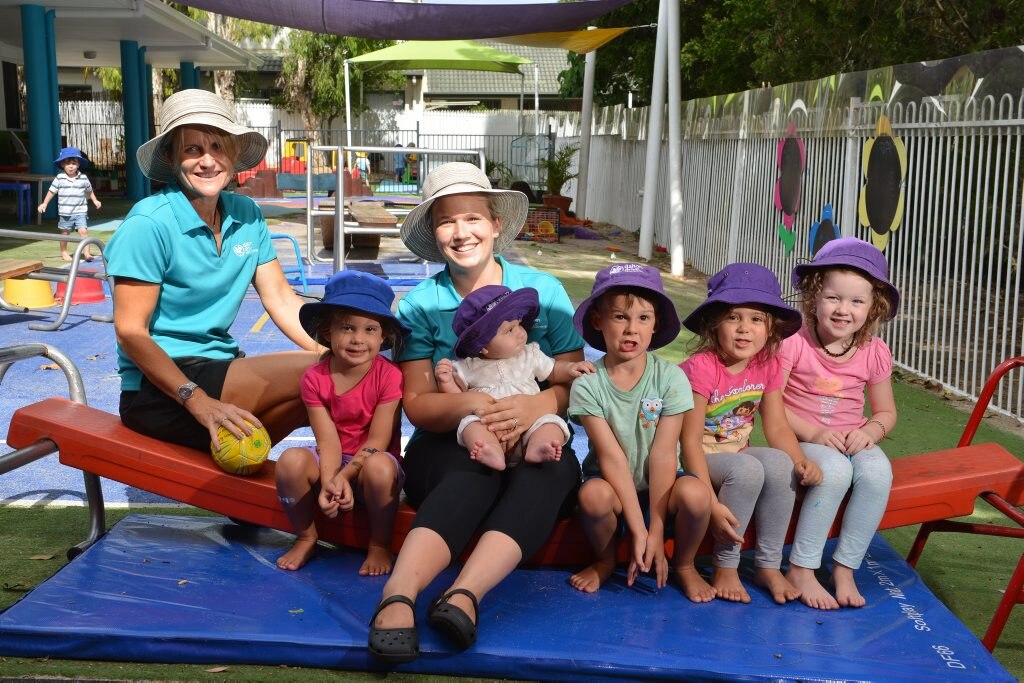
[828,365]
[352,396]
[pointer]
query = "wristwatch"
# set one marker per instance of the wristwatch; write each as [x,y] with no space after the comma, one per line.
[186,391]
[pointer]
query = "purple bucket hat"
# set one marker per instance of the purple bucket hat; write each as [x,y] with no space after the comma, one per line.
[853,253]
[485,309]
[360,292]
[634,276]
[741,284]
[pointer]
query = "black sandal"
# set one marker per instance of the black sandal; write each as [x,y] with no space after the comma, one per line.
[453,621]
[394,645]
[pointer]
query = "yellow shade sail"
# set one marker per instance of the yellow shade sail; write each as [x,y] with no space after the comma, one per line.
[574,41]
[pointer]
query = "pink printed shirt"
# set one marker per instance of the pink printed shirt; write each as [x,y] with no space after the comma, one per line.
[827,392]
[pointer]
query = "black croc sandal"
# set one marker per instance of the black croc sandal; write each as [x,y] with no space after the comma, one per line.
[394,645]
[453,621]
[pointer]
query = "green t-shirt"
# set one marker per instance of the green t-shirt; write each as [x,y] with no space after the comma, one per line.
[632,415]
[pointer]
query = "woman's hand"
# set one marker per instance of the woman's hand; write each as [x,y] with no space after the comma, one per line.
[724,524]
[214,414]
[509,418]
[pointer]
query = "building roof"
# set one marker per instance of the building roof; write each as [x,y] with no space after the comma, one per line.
[550,62]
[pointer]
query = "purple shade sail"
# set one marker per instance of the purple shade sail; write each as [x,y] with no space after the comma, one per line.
[387,20]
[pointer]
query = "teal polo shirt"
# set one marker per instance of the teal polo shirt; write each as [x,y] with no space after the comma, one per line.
[429,310]
[163,241]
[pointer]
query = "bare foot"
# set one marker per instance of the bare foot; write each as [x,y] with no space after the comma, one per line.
[812,593]
[548,451]
[591,578]
[489,454]
[379,561]
[299,555]
[66,257]
[88,257]
[693,584]
[846,588]
[775,582]
[727,585]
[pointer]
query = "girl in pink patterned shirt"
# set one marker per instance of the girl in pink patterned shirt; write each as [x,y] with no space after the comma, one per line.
[828,365]
[353,396]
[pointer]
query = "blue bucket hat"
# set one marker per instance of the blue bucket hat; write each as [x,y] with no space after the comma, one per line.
[853,253]
[740,284]
[71,153]
[486,309]
[354,290]
[632,276]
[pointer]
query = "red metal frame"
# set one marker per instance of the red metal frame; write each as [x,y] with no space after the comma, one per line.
[1014,594]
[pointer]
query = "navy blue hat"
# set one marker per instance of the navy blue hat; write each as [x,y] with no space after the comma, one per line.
[360,292]
[740,284]
[71,153]
[485,309]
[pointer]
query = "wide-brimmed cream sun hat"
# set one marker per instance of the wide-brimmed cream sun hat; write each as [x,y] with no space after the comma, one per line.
[461,178]
[198,108]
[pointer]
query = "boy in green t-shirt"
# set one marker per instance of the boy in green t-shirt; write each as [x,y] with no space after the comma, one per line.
[632,409]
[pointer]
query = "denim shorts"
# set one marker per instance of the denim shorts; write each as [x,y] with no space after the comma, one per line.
[75,222]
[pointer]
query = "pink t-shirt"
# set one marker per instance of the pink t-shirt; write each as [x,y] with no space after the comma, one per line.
[352,411]
[826,392]
[733,399]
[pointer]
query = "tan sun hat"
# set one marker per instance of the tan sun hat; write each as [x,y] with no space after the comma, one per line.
[198,108]
[461,178]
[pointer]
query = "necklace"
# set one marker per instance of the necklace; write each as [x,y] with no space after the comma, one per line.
[829,353]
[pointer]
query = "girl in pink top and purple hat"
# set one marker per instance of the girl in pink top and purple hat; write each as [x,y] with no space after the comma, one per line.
[829,364]
[734,373]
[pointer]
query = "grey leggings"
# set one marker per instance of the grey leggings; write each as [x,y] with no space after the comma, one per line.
[755,480]
[870,474]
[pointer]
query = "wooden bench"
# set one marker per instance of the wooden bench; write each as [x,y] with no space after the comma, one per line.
[12,267]
[926,487]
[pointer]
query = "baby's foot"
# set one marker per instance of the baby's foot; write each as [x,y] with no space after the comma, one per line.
[727,585]
[773,580]
[847,594]
[812,593]
[591,578]
[547,451]
[489,454]
[378,562]
[693,584]
[299,555]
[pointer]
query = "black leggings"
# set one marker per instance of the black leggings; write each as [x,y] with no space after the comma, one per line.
[455,496]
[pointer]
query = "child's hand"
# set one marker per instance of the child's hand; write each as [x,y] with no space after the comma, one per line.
[638,562]
[724,524]
[41,208]
[809,472]
[654,555]
[98,204]
[831,438]
[857,440]
[336,496]
[583,367]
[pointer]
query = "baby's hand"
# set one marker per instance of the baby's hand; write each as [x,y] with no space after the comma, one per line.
[831,438]
[809,472]
[583,367]
[444,373]
[857,440]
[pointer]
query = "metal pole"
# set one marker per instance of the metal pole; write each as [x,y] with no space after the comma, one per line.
[348,111]
[586,128]
[536,100]
[675,139]
[656,117]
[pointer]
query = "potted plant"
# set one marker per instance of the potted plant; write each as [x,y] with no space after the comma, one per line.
[499,174]
[557,174]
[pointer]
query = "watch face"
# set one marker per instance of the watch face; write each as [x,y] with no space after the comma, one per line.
[185,391]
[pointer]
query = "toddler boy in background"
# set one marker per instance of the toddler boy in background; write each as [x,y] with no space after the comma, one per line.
[72,189]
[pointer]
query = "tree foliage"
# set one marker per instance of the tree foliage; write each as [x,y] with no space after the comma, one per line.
[313,75]
[732,45]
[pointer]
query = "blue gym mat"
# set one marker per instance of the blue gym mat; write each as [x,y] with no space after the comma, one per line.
[203,590]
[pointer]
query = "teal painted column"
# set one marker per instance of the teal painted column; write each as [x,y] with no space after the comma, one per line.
[188,76]
[197,76]
[37,88]
[51,57]
[147,124]
[131,85]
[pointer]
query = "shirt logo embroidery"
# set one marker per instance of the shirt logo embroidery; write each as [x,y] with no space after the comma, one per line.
[650,412]
[243,249]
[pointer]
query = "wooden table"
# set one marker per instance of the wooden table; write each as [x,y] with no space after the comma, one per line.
[39,179]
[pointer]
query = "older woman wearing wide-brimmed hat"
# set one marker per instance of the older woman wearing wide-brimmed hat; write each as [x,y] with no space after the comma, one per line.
[464,224]
[182,262]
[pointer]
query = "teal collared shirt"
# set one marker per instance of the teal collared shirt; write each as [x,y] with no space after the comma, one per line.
[429,309]
[163,241]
